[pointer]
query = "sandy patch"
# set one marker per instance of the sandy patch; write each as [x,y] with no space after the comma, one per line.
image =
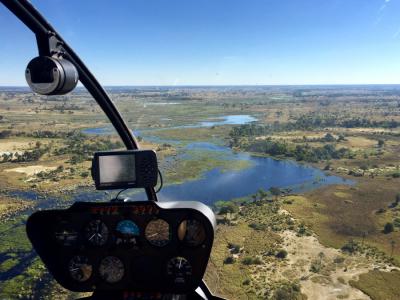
[13,146]
[359,142]
[303,250]
[31,170]
[342,195]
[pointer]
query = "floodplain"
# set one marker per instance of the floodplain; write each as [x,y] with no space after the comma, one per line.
[310,237]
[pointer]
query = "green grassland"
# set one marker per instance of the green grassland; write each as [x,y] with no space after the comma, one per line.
[350,132]
[379,285]
[250,239]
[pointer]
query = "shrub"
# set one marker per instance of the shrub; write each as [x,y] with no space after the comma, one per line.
[315,266]
[234,248]
[246,282]
[388,228]
[229,260]
[227,207]
[381,211]
[281,254]
[287,291]
[258,226]
[350,247]
[251,261]
[338,260]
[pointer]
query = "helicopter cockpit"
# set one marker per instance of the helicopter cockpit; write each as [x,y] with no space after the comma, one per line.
[122,249]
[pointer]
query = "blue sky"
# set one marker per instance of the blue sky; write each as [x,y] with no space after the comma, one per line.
[218,42]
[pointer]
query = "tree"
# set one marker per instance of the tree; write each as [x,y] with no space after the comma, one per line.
[381,143]
[388,228]
[229,260]
[254,197]
[228,207]
[329,138]
[281,254]
[262,194]
[275,191]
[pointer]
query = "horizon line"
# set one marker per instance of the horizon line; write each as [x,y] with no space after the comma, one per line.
[225,85]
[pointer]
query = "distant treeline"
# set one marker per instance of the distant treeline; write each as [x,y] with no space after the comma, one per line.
[309,123]
[79,146]
[298,152]
[37,134]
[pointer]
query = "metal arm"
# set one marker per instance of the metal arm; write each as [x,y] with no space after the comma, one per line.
[50,43]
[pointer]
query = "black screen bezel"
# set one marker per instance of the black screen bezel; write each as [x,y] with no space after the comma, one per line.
[115,185]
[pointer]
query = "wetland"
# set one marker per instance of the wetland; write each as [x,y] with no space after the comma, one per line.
[295,170]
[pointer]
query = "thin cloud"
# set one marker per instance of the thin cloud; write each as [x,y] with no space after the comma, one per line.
[396,34]
[380,12]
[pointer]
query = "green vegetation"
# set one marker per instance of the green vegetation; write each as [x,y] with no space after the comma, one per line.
[288,291]
[379,285]
[298,152]
[350,132]
[388,228]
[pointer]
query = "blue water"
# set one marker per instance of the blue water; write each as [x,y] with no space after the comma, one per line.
[215,185]
[264,172]
[222,120]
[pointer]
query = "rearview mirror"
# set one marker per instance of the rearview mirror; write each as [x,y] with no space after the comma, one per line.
[125,169]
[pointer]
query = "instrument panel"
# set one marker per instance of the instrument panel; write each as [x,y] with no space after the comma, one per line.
[129,246]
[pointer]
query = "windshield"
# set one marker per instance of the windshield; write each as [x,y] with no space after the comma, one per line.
[283,117]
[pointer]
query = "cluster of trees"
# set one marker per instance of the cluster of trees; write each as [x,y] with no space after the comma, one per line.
[309,122]
[83,148]
[298,152]
[37,134]
[26,156]
[47,134]
[5,134]
[327,138]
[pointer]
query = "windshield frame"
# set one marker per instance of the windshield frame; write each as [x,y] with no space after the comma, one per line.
[44,32]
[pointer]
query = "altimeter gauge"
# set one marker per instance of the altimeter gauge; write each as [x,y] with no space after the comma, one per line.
[79,268]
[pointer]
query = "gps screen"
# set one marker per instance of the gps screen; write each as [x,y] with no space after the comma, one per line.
[117,168]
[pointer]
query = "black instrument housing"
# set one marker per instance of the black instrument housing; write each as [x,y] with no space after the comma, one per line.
[146,169]
[145,265]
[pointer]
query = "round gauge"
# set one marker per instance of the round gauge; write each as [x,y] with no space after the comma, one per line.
[191,232]
[158,233]
[111,269]
[96,233]
[126,233]
[79,268]
[179,268]
[66,235]
[127,228]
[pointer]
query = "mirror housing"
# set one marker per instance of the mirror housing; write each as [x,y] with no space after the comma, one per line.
[51,76]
